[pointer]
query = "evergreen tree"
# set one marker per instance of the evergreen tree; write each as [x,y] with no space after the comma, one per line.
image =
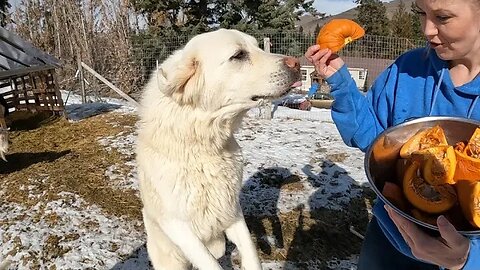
[416,24]
[401,23]
[372,15]
[4,6]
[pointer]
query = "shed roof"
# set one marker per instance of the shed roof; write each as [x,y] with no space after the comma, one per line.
[18,56]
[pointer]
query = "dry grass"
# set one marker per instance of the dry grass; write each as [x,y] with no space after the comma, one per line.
[50,155]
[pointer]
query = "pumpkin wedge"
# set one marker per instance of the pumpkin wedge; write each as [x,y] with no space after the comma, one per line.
[423,139]
[439,163]
[469,199]
[468,158]
[394,194]
[425,197]
[337,33]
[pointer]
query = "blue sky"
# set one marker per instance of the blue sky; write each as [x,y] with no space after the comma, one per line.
[332,7]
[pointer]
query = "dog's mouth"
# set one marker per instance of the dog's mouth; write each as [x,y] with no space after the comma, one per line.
[281,94]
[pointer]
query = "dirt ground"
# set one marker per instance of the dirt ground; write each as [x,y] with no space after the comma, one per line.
[51,146]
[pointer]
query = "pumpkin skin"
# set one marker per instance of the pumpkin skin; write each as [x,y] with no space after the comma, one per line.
[430,137]
[469,199]
[425,197]
[337,33]
[394,194]
[439,164]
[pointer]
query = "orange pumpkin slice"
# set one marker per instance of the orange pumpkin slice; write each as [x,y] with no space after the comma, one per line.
[423,139]
[394,194]
[469,199]
[439,164]
[468,158]
[425,197]
[337,33]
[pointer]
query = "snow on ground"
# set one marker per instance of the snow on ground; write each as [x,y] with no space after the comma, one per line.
[292,143]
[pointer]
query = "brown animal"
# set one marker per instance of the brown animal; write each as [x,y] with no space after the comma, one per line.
[3,131]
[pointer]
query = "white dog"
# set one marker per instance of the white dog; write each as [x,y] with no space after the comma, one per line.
[189,164]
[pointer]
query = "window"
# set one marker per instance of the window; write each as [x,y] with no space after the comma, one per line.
[362,74]
[304,74]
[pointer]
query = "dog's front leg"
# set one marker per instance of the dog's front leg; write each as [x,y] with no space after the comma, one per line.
[238,233]
[194,250]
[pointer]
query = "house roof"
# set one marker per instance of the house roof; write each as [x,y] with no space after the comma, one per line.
[374,66]
[17,56]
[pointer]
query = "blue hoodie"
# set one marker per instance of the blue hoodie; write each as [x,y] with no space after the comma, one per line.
[417,84]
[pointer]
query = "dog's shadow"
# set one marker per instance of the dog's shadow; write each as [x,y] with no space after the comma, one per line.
[324,234]
[259,200]
[139,260]
[19,161]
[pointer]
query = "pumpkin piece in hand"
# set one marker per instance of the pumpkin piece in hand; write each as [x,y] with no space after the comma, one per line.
[337,33]
[425,197]
[423,139]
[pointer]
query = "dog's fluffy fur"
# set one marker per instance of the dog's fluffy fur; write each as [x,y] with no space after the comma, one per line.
[189,164]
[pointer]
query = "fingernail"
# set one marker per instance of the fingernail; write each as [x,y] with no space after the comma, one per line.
[442,221]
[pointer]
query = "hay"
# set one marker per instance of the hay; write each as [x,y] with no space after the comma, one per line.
[50,155]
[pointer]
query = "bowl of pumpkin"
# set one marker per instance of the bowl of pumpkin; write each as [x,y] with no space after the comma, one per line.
[427,167]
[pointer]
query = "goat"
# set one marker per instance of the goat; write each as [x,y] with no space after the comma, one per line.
[3,129]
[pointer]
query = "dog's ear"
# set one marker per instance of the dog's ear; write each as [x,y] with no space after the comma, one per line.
[181,79]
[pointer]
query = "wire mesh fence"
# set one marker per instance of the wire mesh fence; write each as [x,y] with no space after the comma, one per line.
[370,53]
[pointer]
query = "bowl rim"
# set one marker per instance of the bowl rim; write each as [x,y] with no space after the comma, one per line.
[407,122]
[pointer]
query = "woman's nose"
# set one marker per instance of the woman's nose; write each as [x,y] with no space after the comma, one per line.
[429,28]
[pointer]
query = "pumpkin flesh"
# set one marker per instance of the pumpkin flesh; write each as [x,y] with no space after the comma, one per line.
[468,158]
[431,137]
[427,198]
[439,165]
[469,199]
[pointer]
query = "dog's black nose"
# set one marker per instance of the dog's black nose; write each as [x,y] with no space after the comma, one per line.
[292,62]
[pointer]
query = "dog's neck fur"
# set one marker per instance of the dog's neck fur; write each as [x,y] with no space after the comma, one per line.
[193,126]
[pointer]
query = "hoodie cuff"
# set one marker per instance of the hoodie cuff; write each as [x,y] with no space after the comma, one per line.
[339,79]
[473,260]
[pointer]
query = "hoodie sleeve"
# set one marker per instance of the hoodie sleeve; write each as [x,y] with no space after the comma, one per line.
[473,260]
[361,118]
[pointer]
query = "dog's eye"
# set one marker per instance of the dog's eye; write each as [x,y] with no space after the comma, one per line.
[239,55]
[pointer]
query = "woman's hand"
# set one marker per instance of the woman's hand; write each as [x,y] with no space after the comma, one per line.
[449,251]
[326,63]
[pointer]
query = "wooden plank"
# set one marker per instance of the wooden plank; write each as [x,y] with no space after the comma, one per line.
[17,72]
[109,84]
[17,58]
[28,48]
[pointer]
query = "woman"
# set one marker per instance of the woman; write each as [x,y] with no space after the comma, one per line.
[441,79]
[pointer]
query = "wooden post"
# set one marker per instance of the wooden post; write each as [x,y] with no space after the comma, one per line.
[265,109]
[109,84]
[82,79]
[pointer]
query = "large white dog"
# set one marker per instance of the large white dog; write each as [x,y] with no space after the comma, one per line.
[189,164]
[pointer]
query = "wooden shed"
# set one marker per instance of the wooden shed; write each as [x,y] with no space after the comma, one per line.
[27,76]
